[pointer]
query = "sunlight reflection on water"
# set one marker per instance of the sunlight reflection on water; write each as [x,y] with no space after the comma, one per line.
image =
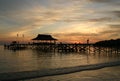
[26,60]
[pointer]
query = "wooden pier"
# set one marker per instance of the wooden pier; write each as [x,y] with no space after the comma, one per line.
[65,47]
[73,47]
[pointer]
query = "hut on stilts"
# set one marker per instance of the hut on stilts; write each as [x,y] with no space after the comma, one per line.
[44,42]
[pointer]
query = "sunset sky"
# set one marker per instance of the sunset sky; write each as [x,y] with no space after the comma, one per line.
[66,20]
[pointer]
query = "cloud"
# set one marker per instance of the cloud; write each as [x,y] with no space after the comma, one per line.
[74,17]
[111,32]
[100,0]
[104,1]
[115,26]
[75,37]
[116,13]
[31,18]
[108,2]
[100,19]
[12,5]
[75,34]
[112,28]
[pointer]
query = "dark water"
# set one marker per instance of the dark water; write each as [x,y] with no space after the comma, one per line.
[37,61]
[28,60]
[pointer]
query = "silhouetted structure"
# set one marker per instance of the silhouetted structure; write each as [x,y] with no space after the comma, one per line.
[15,45]
[44,37]
[44,42]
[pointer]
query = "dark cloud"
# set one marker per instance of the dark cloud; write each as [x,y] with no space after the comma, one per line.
[109,32]
[111,2]
[8,5]
[75,34]
[116,13]
[103,0]
[100,0]
[115,35]
[117,26]
[100,19]
[113,29]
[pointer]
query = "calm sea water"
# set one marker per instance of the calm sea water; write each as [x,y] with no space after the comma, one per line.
[28,60]
[105,74]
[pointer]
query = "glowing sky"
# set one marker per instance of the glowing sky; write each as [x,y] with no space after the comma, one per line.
[67,20]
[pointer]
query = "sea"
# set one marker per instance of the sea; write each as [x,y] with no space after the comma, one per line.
[30,60]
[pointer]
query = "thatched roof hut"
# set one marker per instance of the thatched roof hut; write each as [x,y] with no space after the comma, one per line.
[44,37]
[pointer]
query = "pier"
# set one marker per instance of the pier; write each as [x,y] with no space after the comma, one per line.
[73,47]
[47,43]
[64,47]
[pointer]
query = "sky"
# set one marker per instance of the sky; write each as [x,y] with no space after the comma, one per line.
[66,20]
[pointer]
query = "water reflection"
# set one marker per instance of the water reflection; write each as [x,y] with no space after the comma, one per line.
[28,59]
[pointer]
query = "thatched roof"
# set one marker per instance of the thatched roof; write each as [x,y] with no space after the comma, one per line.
[44,37]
